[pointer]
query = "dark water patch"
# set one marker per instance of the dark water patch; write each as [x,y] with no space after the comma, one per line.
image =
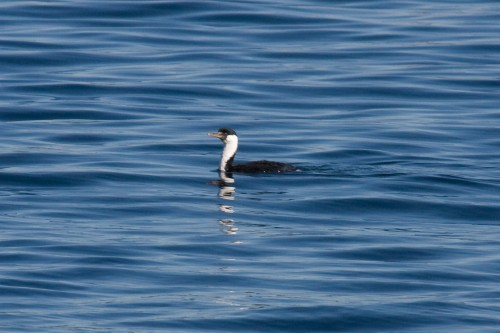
[91,90]
[403,208]
[24,243]
[29,158]
[256,18]
[342,154]
[200,56]
[94,9]
[482,83]
[57,59]
[56,291]
[89,139]
[320,33]
[69,88]
[455,181]
[123,176]
[392,254]
[51,179]
[473,278]
[32,114]
[169,148]
[75,178]
[80,251]
[422,135]
[386,91]
[15,45]
[111,260]
[209,251]
[304,319]
[25,258]
[27,286]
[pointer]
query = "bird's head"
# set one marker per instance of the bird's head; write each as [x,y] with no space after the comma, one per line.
[225,134]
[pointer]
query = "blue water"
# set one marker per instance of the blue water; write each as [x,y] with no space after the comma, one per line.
[112,214]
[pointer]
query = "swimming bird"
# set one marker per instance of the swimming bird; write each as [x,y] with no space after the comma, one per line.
[230,139]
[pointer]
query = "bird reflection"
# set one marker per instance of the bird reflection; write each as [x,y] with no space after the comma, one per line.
[228,226]
[226,192]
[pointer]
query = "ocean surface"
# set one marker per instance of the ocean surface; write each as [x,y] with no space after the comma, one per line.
[113,217]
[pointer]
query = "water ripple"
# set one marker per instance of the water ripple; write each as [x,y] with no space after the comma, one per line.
[114,217]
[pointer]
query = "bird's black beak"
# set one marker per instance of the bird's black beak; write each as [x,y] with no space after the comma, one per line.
[218,135]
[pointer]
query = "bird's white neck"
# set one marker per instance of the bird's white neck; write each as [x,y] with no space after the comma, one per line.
[230,148]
